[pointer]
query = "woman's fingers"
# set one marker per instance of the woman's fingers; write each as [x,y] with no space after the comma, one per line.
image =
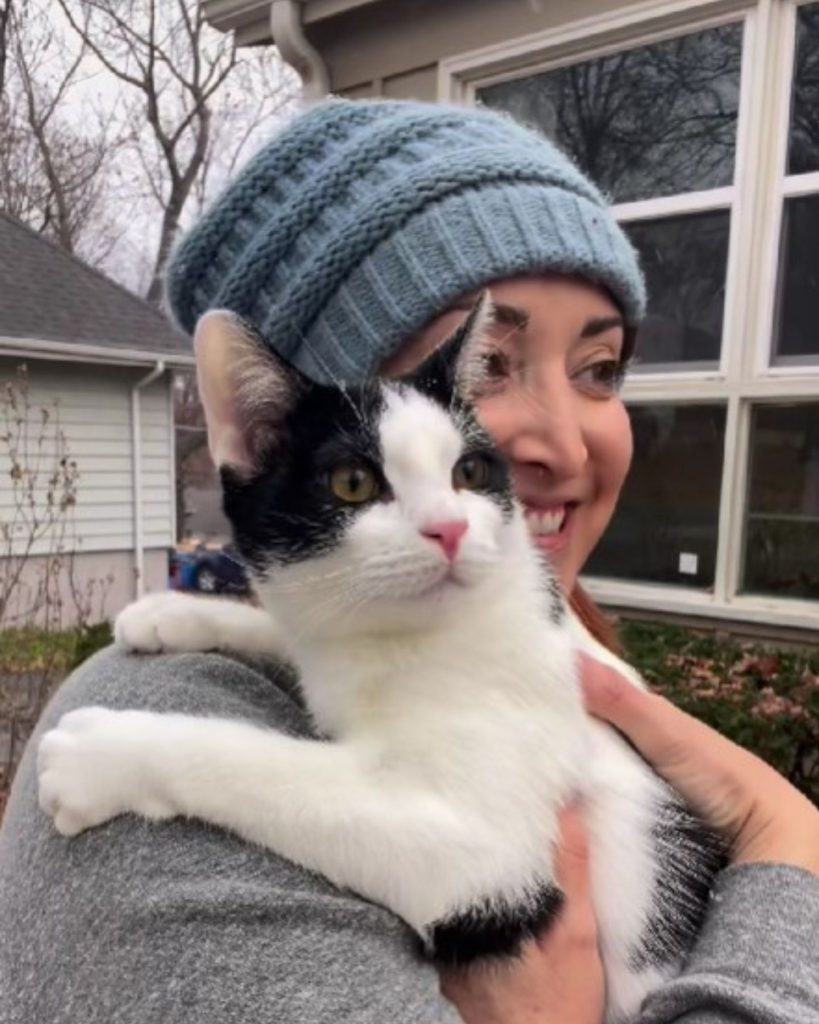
[572,873]
[759,812]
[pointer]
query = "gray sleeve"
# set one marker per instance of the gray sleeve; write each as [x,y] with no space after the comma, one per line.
[757,958]
[135,923]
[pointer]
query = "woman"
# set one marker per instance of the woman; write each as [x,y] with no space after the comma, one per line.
[353,243]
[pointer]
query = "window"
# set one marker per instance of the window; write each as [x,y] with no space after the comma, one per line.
[782,533]
[796,330]
[700,119]
[665,526]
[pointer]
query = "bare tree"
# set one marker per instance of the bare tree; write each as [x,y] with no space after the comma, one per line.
[51,168]
[5,22]
[40,594]
[163,51]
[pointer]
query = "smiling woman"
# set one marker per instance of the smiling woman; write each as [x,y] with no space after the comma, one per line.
[353,245]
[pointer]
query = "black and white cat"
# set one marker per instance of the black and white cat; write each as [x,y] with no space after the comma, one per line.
[435,653]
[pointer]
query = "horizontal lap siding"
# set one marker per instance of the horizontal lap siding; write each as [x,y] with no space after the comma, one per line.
[94,413]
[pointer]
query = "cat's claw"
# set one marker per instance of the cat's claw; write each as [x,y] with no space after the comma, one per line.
[87,772]
[166,622]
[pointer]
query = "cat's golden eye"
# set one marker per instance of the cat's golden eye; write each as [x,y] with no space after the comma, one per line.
[354,484]
[471,473]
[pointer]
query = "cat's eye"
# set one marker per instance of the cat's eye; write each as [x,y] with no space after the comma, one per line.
[471,473]
[354,484]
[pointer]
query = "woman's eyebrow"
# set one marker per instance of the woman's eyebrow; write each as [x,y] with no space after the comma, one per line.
[599,325]
[503,314]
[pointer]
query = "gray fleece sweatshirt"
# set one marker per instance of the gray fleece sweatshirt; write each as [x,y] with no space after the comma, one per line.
[136,923]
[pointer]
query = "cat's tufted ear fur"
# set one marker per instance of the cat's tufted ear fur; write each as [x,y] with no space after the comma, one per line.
[245,389]
[457,367]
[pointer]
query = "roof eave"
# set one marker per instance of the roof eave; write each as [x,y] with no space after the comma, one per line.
[35,348]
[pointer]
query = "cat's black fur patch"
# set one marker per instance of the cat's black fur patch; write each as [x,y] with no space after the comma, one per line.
[492,929]
[285,511]
[688,856]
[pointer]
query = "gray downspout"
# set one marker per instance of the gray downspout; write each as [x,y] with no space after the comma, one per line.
[136,455]
[292,44]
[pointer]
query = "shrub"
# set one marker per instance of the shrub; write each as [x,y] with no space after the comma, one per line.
[765,698]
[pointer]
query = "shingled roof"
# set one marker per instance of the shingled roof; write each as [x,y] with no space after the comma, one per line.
[46,294]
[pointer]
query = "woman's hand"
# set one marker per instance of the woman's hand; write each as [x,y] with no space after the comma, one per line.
[761,815]
[559,978]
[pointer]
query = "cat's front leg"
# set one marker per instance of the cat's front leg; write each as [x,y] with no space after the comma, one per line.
[319,804]
[170,621]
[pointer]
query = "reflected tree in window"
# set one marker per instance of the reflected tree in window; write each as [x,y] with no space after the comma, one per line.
[804,139]
[652,121]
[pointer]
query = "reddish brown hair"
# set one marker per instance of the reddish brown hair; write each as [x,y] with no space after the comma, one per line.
[594,620]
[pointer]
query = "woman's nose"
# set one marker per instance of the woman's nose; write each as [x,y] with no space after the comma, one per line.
[544,427]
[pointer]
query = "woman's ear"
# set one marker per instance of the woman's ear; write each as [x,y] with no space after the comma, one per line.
[246,391]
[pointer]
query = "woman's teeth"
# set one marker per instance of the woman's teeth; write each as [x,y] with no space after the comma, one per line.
[544,524]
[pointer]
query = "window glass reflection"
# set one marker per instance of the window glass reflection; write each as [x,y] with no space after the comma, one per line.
[684,260]
[797,316]
[803,152]
[665,526]
[782,527]
[652,121]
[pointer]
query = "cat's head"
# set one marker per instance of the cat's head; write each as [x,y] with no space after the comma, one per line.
[358,508]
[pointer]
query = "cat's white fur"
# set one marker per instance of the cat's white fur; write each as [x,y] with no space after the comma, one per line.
[452,701]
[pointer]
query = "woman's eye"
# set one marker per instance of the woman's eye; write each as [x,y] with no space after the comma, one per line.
[603,376]
[496,365]
[471,473]
[354,484]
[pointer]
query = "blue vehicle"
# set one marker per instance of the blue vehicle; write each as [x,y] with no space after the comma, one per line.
[209,570]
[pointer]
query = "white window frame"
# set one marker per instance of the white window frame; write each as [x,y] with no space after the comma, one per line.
[745,375]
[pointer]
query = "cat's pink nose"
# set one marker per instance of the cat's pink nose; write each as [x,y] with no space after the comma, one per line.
[448,534]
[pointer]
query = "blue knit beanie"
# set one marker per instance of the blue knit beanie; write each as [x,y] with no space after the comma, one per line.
[362,221]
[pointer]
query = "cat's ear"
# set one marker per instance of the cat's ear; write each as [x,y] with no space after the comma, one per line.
[458,364]
[246,391]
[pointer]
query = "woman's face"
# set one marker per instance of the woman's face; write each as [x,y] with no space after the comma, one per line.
[552,406]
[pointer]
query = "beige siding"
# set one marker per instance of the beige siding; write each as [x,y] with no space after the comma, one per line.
[105,582]
[93,407]
[419,84]
[385,41]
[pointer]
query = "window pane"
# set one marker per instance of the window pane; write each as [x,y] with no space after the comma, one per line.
[665,527]
[782,531]
[652,121]
[797,320]
[684,260]
[804,141]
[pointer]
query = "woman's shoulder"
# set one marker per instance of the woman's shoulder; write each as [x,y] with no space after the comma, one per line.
[208,683]
[174,920]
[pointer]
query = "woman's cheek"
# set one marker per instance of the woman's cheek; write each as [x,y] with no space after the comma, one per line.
[610,445]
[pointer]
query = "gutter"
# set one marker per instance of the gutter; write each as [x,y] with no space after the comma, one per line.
[38,349]
[292,44]
[136,457]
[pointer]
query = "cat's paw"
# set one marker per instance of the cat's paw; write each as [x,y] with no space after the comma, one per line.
[167,622]
[90,769]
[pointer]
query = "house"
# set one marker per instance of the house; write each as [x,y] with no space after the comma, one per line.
[99,368]
[700,119]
